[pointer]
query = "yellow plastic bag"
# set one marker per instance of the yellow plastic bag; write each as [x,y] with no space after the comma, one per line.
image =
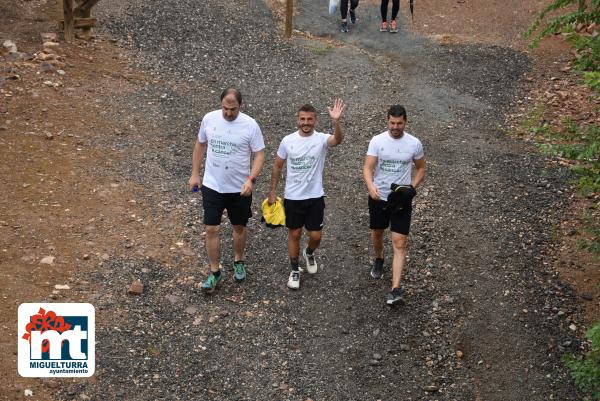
[273,215]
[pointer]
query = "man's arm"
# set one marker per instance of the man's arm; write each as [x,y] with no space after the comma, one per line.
[257,165]
[197,158]
[336,113]
[419,172]
[275,174]
[368,168]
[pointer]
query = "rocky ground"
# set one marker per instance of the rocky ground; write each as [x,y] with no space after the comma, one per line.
[487,317]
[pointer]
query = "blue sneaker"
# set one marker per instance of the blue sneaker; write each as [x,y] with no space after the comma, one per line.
[210,284]
[239,271]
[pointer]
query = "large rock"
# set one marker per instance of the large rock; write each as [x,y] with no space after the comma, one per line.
[9,46]
[136,288]
[51,45]
[57,64]
[47,260]
[49,37]
[47,67]
[43,56]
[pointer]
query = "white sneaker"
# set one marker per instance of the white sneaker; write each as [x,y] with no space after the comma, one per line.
[311,262]
[294,280]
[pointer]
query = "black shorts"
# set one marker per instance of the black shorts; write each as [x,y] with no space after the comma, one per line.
[238,207]
[307,212]
[380,217]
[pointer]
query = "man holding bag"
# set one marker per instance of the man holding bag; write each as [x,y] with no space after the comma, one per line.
[388,174]
[304,153]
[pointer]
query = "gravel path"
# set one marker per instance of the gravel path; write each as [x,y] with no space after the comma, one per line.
[478,282]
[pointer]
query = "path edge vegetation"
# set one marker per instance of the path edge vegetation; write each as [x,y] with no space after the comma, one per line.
[579,22]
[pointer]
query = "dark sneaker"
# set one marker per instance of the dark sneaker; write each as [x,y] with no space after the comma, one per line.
[211,282]
[353,16]
[239,272]
[393,28]
[394,297]
[311,263]
[377,269]
[294,280]
[344,27]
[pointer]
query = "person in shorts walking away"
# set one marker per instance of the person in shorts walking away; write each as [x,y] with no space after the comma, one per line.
[304,153]
[388,165]
[234,148]
[344,13]
[384,12]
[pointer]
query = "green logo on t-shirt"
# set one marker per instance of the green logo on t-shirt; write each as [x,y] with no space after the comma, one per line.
[302,162]
[393,166]
[220,147]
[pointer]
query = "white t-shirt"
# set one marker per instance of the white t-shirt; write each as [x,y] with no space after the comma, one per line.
[230,145]
[394,160]
[305,156]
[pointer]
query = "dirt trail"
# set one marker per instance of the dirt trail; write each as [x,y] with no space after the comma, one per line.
[478,280]
[486,209]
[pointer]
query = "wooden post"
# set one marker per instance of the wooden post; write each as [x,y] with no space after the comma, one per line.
[289,12]
[68,16]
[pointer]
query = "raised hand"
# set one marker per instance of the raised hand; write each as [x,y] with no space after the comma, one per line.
[336,112]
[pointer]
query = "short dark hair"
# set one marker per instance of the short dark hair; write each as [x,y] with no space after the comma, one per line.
[308,108]
[396,111]
[235,91]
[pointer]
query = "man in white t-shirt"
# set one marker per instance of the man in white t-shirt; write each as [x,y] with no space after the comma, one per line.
[230,140]
[388,166]
[305,151]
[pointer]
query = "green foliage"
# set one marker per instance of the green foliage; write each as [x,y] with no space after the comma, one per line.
[588,50]
[585,13]
[580,145]
[592,79]
[592,227]
[532,120]
[585,370]
[320,49]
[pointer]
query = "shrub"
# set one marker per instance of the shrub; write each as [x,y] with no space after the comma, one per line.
[580,27]
[585,370]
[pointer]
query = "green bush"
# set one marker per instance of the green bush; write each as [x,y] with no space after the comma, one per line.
[591,245]
[585,370]
[585,13]
[579,145]
[592,79]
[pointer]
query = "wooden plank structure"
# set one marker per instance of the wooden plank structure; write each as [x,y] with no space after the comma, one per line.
[289,13]
[80,23]
[68,24]
[77,15]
